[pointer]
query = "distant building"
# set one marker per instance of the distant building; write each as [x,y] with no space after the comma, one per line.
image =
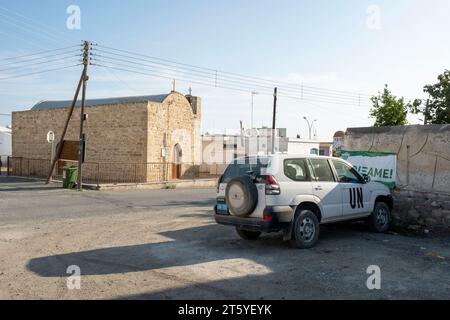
[326,149]
[303,147]
[5,144]
[338,142]
[223,148]
[145,130]
[220,149]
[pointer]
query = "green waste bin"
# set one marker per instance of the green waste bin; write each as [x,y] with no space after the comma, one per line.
[70,176]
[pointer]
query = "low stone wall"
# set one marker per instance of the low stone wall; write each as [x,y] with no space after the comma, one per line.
[422,208]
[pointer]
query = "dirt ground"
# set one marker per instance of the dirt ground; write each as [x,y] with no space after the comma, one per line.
[164,244]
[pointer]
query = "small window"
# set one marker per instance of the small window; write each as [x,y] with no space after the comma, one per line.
[295,169]
[314,152]
[321,170]
[345,173]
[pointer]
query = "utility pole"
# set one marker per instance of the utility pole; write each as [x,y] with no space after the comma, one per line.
[253,97]
[274,121]
[310,127]
[59,149]
[82,143]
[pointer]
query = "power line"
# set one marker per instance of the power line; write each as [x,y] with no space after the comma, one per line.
[146,72]
[24,26]
[24,66]
[38,72]
[216,79]
[272,83]
[166,77]
[210,81]
[14,70]
[37,24]
[39,53]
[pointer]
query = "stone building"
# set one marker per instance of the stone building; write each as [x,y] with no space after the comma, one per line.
[146,138]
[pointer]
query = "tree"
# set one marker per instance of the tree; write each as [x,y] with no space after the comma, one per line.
[388,110]
[437,108]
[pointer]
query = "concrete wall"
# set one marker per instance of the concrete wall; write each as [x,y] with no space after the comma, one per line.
[423,153]
[423,168]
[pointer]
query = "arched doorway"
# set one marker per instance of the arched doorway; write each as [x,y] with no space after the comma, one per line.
[177,160]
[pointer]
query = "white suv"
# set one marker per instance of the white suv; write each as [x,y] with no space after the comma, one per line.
[295,194]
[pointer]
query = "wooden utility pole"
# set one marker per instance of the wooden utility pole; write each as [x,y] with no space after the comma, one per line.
[59,149]
[274,120]
[81,145]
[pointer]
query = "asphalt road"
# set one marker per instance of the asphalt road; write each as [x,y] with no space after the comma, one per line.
[164,244]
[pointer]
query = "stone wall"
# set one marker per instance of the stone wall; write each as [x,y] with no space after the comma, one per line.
[423,168]
[423,153]
[421,208]
[116,133]
[174,122]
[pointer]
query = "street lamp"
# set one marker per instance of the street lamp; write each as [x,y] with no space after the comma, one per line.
[310,126]
[254,93]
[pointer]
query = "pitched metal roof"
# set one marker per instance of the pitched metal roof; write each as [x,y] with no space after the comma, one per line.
[44,105]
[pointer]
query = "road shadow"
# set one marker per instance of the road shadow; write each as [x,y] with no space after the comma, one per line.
[189,246]
[334,269]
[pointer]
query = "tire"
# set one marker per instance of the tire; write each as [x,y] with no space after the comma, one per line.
[380,219]
[306,230]
[248,235]
[241,196]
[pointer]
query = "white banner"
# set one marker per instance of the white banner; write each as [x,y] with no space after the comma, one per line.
[380,167]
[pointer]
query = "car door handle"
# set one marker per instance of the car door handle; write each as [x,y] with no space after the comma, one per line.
[318,188]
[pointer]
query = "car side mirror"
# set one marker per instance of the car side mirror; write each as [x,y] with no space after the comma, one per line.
[367,178]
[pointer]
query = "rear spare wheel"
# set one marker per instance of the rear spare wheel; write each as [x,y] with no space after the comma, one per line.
[241,196]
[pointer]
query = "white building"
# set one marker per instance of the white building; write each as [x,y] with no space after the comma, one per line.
[220,149]
[5,144]
[303,147]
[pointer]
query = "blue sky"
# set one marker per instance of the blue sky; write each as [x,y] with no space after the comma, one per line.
[321,43]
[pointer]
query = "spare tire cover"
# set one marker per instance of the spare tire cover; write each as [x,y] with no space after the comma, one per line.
[241,196]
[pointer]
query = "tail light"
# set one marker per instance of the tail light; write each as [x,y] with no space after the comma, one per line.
[272,186]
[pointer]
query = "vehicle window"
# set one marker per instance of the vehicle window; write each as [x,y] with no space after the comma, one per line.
[321,170]
[295,169]
[346,174]
[242,167]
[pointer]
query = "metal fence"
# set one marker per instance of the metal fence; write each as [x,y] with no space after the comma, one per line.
[108,172]
[3,164]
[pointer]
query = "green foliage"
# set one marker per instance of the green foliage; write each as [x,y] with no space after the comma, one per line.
[437,108]
[388,110]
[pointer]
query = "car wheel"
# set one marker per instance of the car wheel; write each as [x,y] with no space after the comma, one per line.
[380,220]
[306,230]
[247,234]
